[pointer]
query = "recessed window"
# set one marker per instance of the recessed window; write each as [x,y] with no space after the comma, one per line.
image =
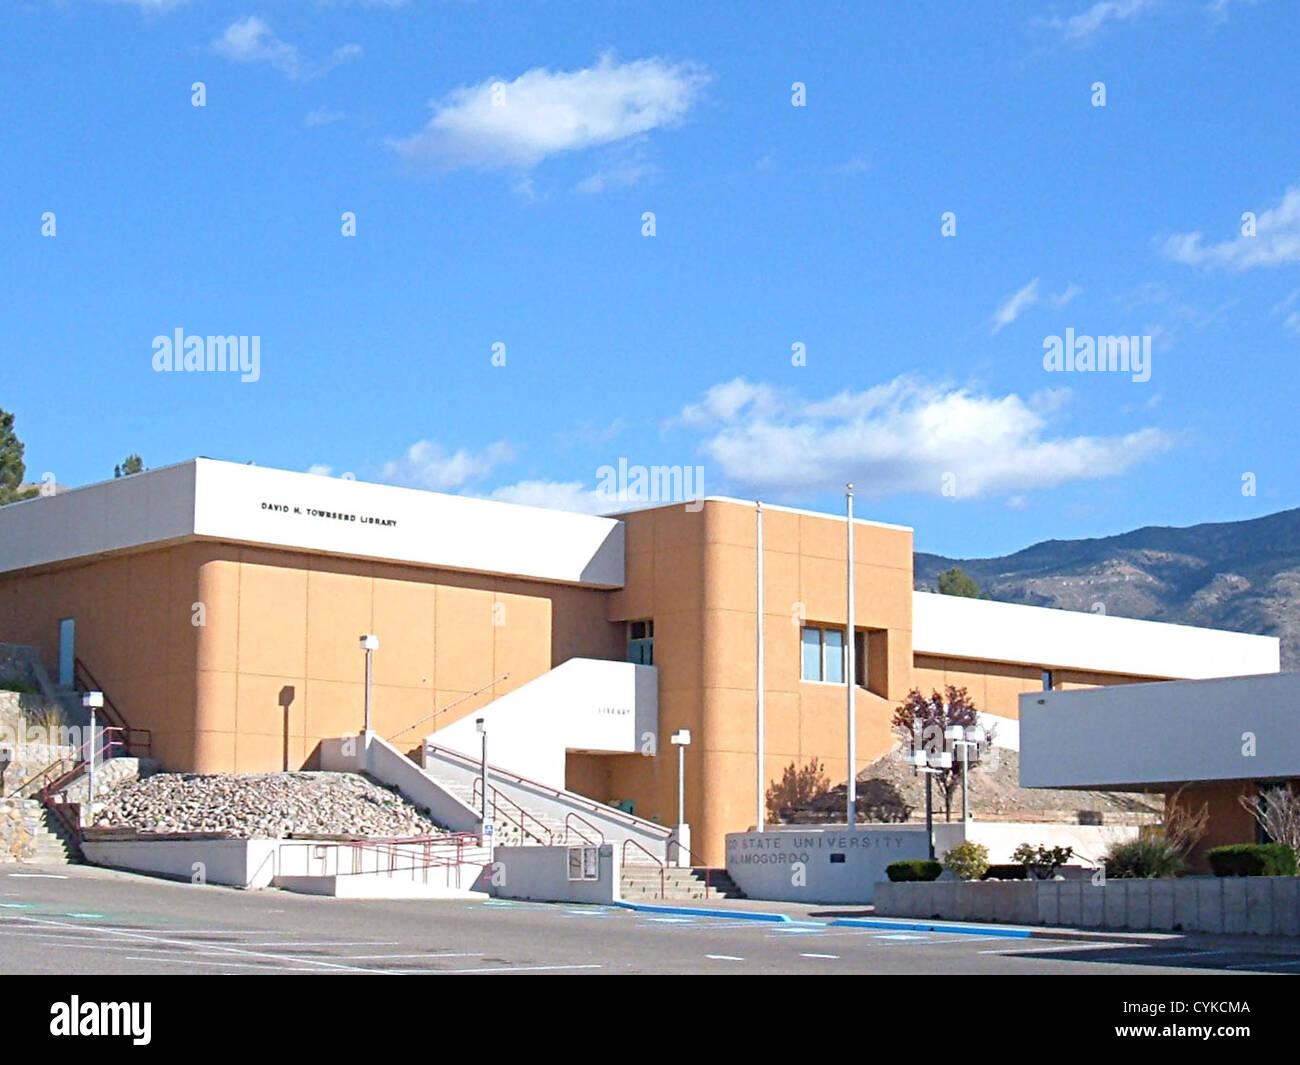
[1047,680]
[641,642]
[822,654]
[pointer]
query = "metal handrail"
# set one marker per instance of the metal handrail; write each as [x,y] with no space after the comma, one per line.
[387,851]
[592,805]
[600,836]
[663,889]
[708,869]
[84,680]
[498,797]
[78,765]
[454,702]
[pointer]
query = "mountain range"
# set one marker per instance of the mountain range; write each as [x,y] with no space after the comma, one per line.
[1239,575]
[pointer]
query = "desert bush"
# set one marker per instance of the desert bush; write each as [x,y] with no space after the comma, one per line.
[1252,859]
[968,860]
[913,869]
[1143,858]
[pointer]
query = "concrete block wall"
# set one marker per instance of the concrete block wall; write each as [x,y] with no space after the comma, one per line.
[1256,905]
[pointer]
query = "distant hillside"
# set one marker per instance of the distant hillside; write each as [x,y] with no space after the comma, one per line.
[1239,575]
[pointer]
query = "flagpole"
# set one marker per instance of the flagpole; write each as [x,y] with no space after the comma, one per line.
[760,797]
[850,647]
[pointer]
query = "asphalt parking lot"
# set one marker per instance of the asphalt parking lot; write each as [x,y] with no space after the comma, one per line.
[82,920]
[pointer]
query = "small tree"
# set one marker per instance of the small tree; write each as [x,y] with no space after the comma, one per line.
[968,860]
[1042,861]
[957,581]
[133,464]
[12,468]
[1277,811]
[796,789]
[920,721]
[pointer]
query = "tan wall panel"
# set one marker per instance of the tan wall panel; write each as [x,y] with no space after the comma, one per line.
[339,611]
[522,644]
[464,639]
[272,617]
[218,639]
[404,613]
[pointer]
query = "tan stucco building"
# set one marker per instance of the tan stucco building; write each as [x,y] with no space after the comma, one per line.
[220,605]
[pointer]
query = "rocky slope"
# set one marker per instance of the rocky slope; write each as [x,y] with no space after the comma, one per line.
[264,806]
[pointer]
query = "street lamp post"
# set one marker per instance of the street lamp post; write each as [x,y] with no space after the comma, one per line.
[92,701]
[369,644]
[682,739]
[930,764]
[480,726]
[964,739]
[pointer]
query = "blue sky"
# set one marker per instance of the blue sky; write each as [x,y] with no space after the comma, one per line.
[516,219]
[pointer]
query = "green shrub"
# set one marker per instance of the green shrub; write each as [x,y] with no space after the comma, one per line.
[1253,859]
[968,860]
[1042,861]
[1143,858]
[1006,872]
[16,686]
[913,869]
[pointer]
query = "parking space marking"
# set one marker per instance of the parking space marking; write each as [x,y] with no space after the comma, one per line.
[1081,945]
[723,957]
[1266,964]
[830,957]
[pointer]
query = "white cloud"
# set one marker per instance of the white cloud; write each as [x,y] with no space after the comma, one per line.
[1219,9]
[1083,26]
[618,174]
[1276,241]
[321,470]
[1014,307]
[251,40]
[153,7]
[429,465]
[1027,297]
[556,495]
[1062,298]
[1289,309]
[322,116]
[903,437]
[544,113]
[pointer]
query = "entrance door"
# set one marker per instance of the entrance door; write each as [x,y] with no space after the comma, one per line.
[67,651]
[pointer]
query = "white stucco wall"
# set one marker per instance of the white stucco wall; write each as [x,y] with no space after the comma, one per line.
[958,627]
[1133,735]
[259,505]
[584,704]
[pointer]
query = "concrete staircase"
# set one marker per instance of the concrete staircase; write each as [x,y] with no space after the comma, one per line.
[511,827]
[50,843]
[643,883]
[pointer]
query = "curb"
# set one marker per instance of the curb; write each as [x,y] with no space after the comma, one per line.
[700,911]
[930,926]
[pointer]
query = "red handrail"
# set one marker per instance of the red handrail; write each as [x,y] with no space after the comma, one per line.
[84,680]
[497,796]
[663,891]
[573,814]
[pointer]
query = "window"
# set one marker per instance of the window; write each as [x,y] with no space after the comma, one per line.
[641,642]
[822,655]
[1047,680]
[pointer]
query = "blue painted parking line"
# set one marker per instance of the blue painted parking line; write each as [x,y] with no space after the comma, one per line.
[699,911]
[931,926]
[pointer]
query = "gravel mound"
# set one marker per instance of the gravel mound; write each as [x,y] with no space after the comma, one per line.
[263,806]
